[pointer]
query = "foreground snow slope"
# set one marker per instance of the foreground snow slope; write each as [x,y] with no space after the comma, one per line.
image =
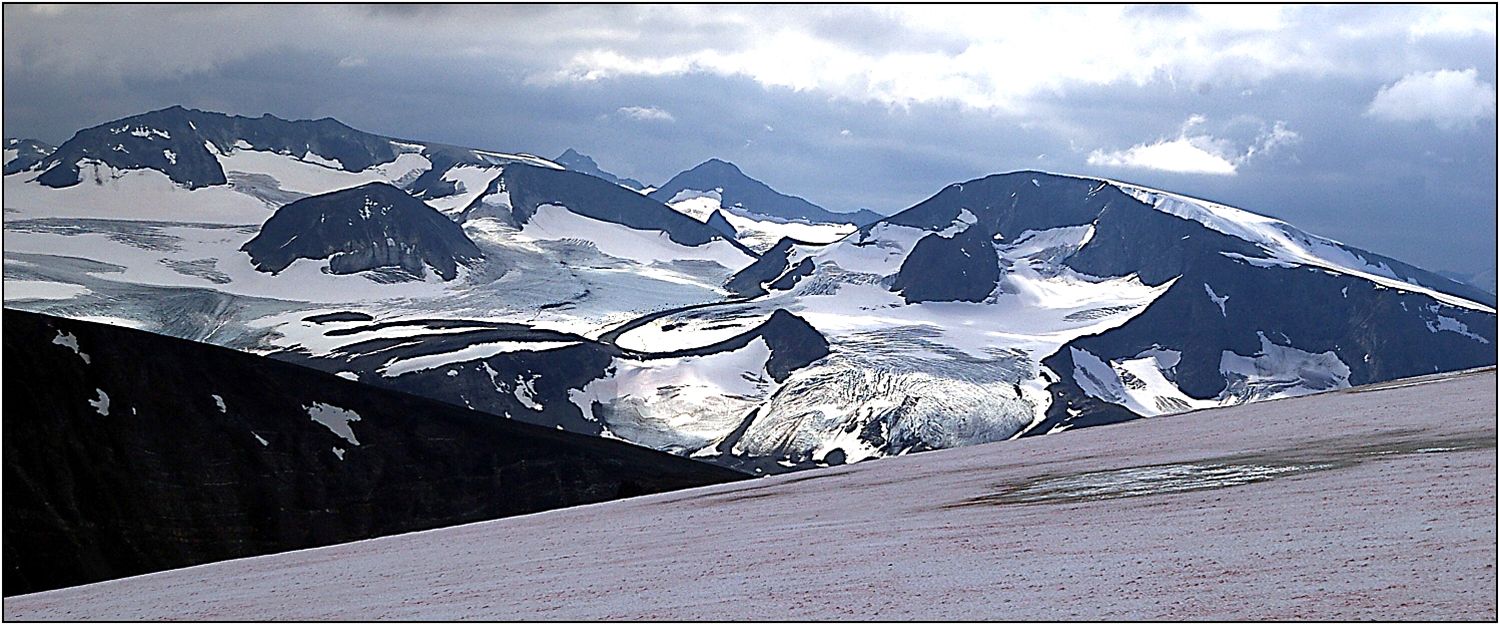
[1371,503]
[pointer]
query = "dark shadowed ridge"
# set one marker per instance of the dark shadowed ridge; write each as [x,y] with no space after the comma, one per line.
[177,141]
[584,164]
[131,452]
[365,227]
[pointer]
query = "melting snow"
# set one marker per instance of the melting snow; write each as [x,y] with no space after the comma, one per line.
[71,342]
[525,392]
[1449,324]
[101,404]
[336,419]
[148,133]
[1218,299]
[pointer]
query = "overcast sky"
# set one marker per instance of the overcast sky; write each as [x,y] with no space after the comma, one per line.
[1371,125]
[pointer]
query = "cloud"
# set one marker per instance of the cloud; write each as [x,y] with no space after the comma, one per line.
[969,54]
[1181,155]
[1448,98]
[1194,152]
[646,114]
[994,58]
[353,61]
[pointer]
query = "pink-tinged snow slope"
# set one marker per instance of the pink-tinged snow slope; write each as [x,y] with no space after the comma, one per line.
[1372,503]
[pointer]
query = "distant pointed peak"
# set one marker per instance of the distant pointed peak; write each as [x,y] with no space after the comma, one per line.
[717,163]
[572,156]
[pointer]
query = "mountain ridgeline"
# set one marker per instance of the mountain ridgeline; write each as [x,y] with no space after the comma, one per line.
[367,227]
[739,191]
[585,164]
[182,143]
[713,317]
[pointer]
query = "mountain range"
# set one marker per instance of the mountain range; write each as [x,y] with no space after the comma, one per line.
[712,316]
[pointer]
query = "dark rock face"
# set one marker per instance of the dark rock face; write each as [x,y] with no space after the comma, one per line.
[530,187]
[339,316]
[753,196]
[131,452]
[794,344]
[804,268]
[365,227]
[1008,204]
[29,152]
[717,221]
[1378,333]
[771,264]
[175,141]
[584,164]
[430,185]
[961,268]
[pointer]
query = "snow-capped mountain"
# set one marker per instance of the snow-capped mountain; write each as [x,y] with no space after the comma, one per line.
[758,215]
[23,153]
[1026,303]
[1016,304]
[371,226]
[185,144]
[131,452]
[584,164]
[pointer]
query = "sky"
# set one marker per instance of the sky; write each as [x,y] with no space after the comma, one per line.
[1373,125]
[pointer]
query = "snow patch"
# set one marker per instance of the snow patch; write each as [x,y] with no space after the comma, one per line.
[336,419]
[1217,299]
[1449,324]
[525,392]
[101,404]
[556,223]
[478,351]
[40,289]
[69,341]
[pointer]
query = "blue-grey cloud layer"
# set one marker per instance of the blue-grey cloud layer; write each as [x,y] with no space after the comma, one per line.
[853,107]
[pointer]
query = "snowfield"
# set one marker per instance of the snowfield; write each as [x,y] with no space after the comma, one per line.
[1376,502]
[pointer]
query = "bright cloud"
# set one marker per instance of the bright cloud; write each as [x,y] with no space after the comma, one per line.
[1002,58]
[1194,152]
[646,114]
[1181,155]
[996,58]
[1447,98]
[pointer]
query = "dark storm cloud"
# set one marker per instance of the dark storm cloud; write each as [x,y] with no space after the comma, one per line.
[828,102]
